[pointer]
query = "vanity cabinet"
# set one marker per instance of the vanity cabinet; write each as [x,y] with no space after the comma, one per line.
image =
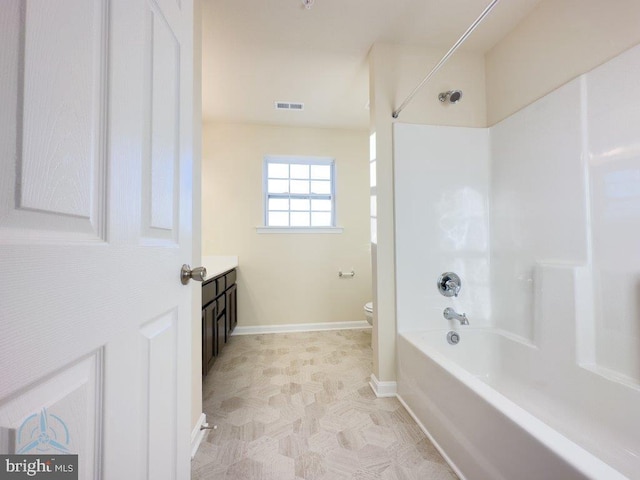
[219,315]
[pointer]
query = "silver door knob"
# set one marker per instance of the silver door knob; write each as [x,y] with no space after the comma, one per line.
[186,274]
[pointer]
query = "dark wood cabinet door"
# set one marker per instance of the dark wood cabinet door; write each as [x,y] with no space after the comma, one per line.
[204,343]
[214,327]
[208,337]
[232,308]
[220,333]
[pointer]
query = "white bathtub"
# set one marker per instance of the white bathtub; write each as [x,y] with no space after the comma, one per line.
[498,410]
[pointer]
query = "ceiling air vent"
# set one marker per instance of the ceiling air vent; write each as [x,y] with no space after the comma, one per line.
[289,106]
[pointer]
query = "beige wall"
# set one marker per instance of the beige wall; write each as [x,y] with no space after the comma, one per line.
[287,278]
[394,72]
[558,41]
[399,69]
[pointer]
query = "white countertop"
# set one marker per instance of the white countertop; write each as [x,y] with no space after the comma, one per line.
[218,264]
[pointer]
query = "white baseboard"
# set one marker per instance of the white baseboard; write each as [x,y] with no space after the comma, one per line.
[197,435]
[300,327]
[383,389]
[433,440]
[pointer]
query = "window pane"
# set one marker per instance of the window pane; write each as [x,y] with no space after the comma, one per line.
[278,204]
[278,219]
[299,219]
[321,219]
[321,172]
[300,204]
[372,147]
[372,174]
[299,171]
[374,206]
[321,205]
[278,186]
[299,186]
[278,170]
[299,191]
[321,187]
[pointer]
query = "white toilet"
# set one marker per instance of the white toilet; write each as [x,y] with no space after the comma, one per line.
[368,311]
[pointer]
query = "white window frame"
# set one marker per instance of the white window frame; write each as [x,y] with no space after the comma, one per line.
[298,160]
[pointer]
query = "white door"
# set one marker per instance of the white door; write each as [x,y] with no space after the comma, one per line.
[95,223]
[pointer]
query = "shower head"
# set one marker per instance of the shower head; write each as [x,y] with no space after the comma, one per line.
[452,96]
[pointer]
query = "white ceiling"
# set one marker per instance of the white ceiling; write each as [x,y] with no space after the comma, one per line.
[256,52]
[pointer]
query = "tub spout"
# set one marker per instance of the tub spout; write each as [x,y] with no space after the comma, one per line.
[450,314]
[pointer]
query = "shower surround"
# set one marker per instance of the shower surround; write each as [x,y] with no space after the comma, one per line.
[540,217]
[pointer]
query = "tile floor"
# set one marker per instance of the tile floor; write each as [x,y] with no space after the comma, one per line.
[299,406]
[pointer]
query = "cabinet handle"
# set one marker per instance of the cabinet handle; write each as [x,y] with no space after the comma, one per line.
[186,274]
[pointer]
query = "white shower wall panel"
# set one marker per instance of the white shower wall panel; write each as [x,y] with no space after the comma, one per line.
[540,216]
[613,121]
[556,184]
[442,222]
[538,202]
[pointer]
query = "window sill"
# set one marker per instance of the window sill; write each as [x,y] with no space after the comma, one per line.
[312,230]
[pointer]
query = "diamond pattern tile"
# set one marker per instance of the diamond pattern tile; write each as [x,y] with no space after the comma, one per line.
[299,407]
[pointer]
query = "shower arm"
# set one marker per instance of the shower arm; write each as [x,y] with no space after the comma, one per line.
[443,60]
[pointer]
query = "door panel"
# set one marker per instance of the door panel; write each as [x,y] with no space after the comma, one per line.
[160,181]
[64,409]
[95,222]
[159,392]
[52,140]
[57,159]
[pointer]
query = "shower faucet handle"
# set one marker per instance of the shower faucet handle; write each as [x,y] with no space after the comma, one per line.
[453,286]
[449,284]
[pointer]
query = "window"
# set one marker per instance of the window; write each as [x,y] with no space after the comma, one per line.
[299,192]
